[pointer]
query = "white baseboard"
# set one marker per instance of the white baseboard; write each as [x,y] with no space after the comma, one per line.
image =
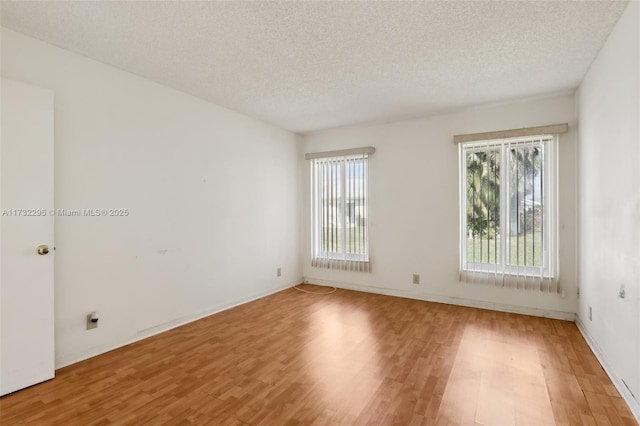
[65,361]
[632,403]
[536,312]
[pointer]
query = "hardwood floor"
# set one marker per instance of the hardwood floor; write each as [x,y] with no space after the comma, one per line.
[345,358]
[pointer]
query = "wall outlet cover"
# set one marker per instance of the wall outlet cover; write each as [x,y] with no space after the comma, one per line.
[90,324]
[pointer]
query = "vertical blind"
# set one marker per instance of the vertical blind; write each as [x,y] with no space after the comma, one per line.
[340,212]
[508,200]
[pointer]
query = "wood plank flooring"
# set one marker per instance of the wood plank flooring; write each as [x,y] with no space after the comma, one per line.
[348,358]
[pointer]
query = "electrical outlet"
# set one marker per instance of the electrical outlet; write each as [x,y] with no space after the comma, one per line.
[91,324]
[416,278]
[590,314]
[279,272]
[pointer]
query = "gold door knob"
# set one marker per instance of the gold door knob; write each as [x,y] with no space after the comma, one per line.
[43,249]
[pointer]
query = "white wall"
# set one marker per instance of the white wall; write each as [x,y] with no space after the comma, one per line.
[414,206]
[212,195]
[609,203]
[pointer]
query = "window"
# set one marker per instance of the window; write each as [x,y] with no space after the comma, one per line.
[508,209]
[339,210]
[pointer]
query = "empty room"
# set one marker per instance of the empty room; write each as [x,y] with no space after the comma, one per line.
[320,213]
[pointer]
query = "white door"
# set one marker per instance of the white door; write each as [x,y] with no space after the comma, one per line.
[26,222]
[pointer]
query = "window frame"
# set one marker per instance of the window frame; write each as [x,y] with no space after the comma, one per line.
[549,243]
[317,238]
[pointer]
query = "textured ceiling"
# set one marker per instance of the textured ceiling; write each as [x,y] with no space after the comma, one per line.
[306,66]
